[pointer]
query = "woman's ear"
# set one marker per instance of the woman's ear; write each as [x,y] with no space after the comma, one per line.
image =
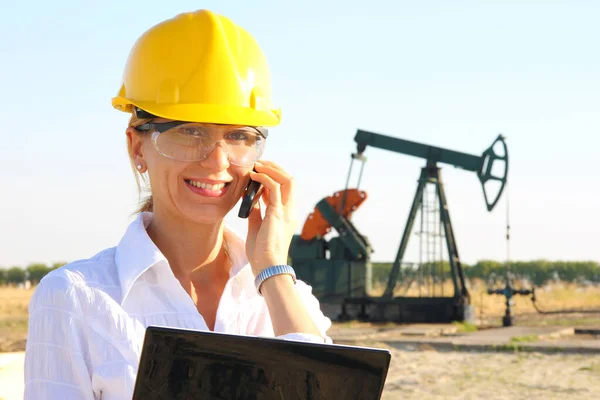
[134,146]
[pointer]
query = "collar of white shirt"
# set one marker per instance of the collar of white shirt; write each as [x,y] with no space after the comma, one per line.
[136,253]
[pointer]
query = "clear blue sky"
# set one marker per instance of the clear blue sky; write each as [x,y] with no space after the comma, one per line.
[452,74]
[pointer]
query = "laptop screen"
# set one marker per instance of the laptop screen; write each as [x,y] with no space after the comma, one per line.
[183,364]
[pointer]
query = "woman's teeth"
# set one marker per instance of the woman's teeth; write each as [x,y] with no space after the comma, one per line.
[207,186]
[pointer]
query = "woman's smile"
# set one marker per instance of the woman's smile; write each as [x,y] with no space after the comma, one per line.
[207,188]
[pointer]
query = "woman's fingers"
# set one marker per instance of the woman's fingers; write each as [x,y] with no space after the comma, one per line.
[273,187]
[274,171]
[254,221]
[279,223]
[265,197]
[278,174]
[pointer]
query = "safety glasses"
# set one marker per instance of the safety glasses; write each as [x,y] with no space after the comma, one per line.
[188,141]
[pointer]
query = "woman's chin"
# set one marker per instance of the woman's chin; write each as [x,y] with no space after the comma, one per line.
[205,213]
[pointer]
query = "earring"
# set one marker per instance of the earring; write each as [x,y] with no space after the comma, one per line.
[139,166]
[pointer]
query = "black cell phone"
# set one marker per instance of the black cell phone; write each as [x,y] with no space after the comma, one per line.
[251,196]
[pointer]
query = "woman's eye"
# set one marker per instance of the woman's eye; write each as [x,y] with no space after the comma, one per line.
[191,131]
[238,135]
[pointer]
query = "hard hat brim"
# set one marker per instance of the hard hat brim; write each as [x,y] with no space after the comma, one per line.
[204,113]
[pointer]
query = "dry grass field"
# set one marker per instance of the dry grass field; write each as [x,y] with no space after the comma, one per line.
[13,318]
[489,309]
[418,374]
[558,296]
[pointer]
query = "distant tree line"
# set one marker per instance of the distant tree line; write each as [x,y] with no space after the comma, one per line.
[538,272]
[32,273]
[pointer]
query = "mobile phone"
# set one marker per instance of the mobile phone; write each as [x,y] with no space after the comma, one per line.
[251,196]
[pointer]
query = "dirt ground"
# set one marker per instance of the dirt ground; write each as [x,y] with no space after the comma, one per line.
[428,374]
[11,376]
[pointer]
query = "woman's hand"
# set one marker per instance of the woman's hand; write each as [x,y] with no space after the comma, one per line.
[269,238]
[268,244]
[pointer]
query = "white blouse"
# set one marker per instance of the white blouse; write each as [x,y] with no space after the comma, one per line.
[87,320]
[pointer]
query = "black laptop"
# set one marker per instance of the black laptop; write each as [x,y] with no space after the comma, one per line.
[178,364]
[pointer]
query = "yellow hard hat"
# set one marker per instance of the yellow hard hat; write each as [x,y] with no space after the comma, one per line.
[199,67]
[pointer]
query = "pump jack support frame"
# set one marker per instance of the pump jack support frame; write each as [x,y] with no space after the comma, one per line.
[419,309]
[431,174]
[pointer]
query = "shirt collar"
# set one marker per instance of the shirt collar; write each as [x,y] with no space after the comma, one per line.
[136,253]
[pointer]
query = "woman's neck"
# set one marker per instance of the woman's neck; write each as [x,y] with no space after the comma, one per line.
[193,250]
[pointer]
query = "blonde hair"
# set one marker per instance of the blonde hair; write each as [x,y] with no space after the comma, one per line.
[147,203]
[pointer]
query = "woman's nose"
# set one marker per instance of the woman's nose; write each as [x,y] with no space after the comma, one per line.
[217,159]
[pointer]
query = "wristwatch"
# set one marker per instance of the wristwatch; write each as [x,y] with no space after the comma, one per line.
[273,271]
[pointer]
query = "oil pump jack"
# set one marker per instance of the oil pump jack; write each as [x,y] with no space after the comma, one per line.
[339,269]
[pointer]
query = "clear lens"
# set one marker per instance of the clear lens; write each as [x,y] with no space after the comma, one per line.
[190,142]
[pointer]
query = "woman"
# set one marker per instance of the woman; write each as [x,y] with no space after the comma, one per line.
[197,87]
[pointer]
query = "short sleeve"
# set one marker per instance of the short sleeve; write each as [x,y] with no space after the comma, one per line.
[313,306]
[56,366]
